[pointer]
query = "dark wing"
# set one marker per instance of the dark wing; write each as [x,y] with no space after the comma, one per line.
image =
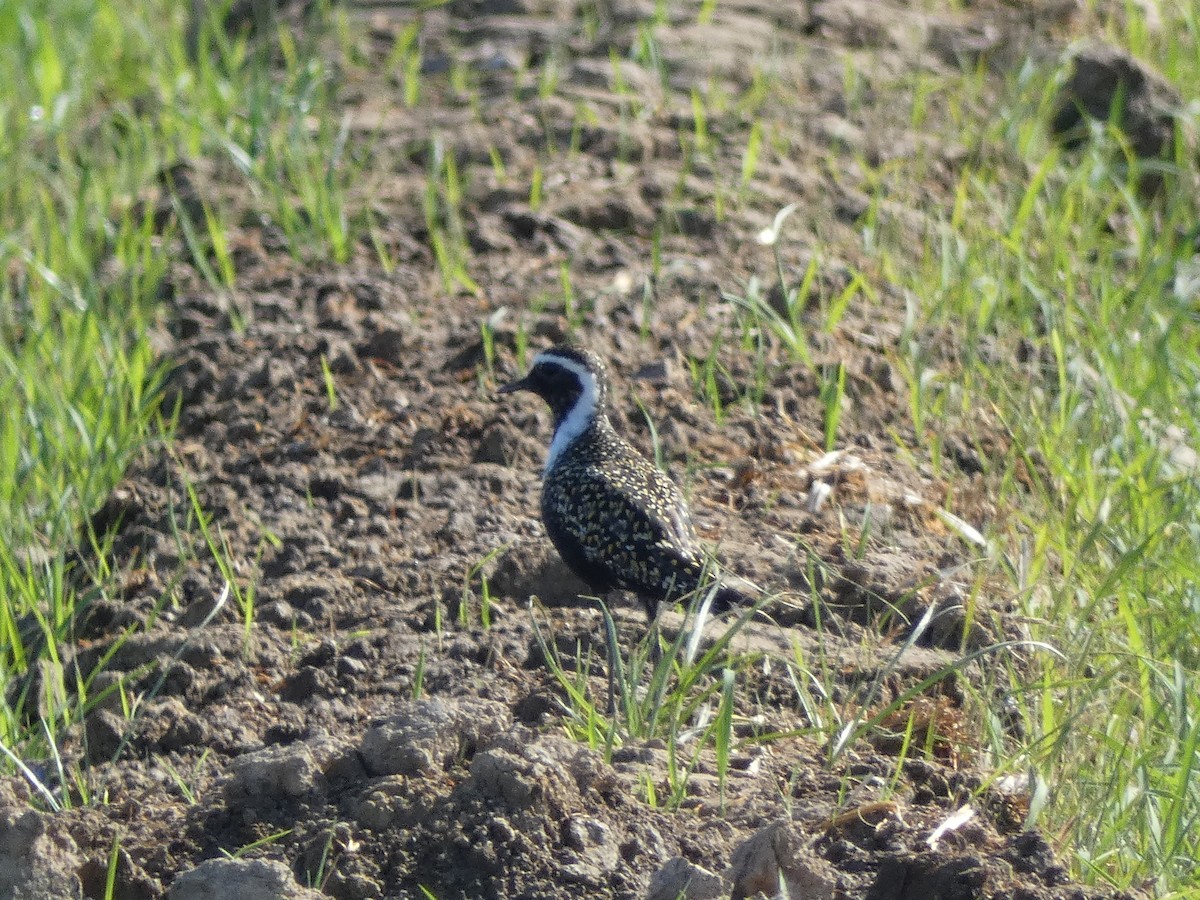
[627,521]
[676,513]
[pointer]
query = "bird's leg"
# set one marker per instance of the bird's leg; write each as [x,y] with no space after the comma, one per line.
[654,614]
[612,645]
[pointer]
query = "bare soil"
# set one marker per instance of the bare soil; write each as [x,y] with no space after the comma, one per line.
[381,743]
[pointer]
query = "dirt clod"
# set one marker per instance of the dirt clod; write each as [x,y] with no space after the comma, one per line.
[38,858]
[683,880]
[428,735]
[1107,82]
[779,859]
[239,879]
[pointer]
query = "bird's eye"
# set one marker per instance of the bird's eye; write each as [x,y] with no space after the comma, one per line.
[553,375]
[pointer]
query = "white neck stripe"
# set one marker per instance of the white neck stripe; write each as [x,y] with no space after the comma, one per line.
[576,422]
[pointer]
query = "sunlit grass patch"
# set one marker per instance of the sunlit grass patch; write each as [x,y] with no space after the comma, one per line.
[1064,287]
[671,690]
[100,105]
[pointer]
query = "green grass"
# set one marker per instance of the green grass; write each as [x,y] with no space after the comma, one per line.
[82,272]
[1057,301]
[98,101]
[1061,287]
[668,690]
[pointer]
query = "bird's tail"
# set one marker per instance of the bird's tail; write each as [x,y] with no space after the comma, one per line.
[728,597]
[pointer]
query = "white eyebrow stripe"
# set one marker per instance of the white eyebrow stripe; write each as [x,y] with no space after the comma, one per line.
[581,414]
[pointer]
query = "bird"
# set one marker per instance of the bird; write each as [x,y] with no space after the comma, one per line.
[616,519]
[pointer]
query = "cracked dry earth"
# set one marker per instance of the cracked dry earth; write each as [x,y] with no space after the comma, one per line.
[362,739]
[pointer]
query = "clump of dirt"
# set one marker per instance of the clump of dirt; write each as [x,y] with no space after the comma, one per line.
[365,734]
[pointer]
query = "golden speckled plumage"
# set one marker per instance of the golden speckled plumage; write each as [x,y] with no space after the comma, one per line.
[616,520]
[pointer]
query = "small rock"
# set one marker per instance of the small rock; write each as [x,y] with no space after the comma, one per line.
[528,569]
[779,857]
[428,735]
[523,769]
[378,807]
[240,879]
[682,880]
[657,372]
[38,858]
[169,725]
[279,613]
[103,730]
[594,840]
[275,772]
[1100,74]
[461,526]
[497,445]
[307,683]
[349,667]
[386,345]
